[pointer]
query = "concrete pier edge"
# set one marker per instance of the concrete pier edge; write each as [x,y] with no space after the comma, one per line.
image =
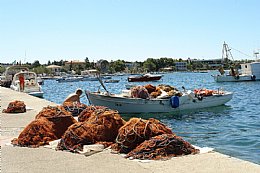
[33,160]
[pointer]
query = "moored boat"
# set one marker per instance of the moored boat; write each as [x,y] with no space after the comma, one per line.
[28,84]
[248,72]
[188,100]
[111,81]
[144,78]
[69,79]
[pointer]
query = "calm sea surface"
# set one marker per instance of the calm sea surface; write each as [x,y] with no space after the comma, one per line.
[232,129]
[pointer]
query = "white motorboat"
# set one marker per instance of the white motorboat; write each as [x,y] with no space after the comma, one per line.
[248,72]
[188,101]
[111,81]
[69,79]
[31,86]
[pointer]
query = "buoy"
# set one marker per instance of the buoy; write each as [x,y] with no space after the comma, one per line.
[174,101]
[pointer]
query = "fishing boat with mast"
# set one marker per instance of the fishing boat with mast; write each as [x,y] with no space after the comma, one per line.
[248,71]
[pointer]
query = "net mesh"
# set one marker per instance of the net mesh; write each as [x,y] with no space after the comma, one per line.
[39,132]
[74,107]
[162,146]
[101,126]
[15,107]
[137,130]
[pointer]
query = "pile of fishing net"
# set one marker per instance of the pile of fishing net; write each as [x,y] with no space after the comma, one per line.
[139,92]
[15,107]
[49,124]
[136,131]
[204,92]
[74,107]
[61,118]
[150,139]
[39,132]
[170,90]
[153,91]
[86,113]
[162,147]
[100,126]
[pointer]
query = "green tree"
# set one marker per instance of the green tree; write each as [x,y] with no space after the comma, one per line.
[87,63]
[150,65]
[118,66]
[2,69]
[41,70]
[35,64]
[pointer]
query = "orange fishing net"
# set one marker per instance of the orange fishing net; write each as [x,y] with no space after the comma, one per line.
[162,147]
[86,113]
[74,107]
[139,92]
[170,90]
[15,107]
[38,132]
[52,111]
[99,127]
[61,118]
[137,130]
[150,88]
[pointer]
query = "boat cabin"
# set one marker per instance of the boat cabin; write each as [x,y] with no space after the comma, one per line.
[251,69]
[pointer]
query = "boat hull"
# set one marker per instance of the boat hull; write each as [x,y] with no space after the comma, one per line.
[143,79]
[137,105]
[229,78]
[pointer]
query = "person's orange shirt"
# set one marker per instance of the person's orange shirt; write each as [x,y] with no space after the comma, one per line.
[21,79]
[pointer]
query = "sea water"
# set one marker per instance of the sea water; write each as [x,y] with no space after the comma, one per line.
[232,129]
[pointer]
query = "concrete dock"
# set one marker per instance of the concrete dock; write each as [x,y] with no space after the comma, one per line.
[34,160]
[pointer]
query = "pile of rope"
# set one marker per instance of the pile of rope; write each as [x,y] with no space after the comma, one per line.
[15,107]
[100,127]
[49,124]
[74,107]
[86,113]
[162,147]
[136,131]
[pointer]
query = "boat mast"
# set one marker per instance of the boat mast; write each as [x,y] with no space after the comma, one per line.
[226,55]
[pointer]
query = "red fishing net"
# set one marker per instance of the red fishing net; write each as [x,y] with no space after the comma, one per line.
[74,107]
[137,130]
[99,127]
[85,114]
[139,92]
[15,107]
[61,118]
[38,132]
[162,147]
[150,88]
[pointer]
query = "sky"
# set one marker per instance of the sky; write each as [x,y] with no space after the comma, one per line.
[130,30]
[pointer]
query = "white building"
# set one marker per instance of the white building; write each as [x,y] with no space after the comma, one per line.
[181,66]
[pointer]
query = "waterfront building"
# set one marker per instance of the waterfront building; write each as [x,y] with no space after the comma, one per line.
[181,66]
[55,69]
[213,63]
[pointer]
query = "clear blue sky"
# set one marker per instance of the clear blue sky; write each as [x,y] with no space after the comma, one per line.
[132,30]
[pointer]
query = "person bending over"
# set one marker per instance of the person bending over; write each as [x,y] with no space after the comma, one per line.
[74,97]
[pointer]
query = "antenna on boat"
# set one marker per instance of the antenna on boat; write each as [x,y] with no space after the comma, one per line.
[102,67]
[256,53]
